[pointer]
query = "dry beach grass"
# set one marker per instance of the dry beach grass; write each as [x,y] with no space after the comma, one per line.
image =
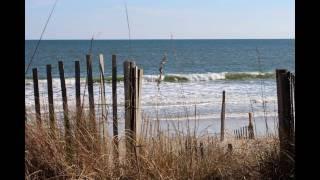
[157,155]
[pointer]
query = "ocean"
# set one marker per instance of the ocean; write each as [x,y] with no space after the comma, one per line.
[195,74]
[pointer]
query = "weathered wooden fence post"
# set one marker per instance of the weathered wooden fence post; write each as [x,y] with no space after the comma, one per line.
[36,95]
[114,99]
[78,95]
[285,114]
[246,130]
[243,133]
[222,116]
[132,89]
[67,128]
[250,127]
[237,133]
[201,149]
[92,122]
[134,101]
[138,108]
[103,95]
[50,99]
[115,114]
[127,70]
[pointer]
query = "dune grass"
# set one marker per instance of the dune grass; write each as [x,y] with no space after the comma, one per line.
[156,155]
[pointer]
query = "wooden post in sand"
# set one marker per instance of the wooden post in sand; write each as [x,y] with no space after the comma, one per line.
[103,97]
[285,114]
[250,127]
[50,98]
[78,95]
[201,150]
[36,95]
[236,132]
[138,104]
[92,122]
[134,102]
[65,111]
[115,114]
[114,99]
[64,97]
[222,116]
[132,91]
[246,130]
[242,132]
[127,70]
[79,122]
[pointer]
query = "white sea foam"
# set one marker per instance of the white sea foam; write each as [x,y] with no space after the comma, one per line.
[208,76]
[193,77]
[176,101]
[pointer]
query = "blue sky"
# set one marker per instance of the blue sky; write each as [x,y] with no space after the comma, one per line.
[151,19]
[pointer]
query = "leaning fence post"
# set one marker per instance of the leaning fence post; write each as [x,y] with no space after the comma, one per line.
[78,95]
[36,95]
[65,111]
[222,116]
[103,95]
[92,122]
[50,98]
[285,114]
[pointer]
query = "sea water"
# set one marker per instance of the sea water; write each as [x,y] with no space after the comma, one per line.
[195,74]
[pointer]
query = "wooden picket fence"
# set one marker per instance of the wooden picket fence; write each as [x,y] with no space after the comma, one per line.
[245,132]
[133,76]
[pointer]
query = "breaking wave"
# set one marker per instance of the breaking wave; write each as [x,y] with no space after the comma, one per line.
[198,77]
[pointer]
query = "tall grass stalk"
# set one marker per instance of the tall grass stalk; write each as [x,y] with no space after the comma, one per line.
[262,88]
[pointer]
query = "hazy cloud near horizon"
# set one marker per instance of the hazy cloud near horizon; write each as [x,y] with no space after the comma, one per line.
[80,19]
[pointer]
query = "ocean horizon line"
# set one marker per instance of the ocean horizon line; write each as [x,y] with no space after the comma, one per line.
[120,39]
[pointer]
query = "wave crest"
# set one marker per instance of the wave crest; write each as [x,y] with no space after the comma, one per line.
[214,76]
[198,77]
